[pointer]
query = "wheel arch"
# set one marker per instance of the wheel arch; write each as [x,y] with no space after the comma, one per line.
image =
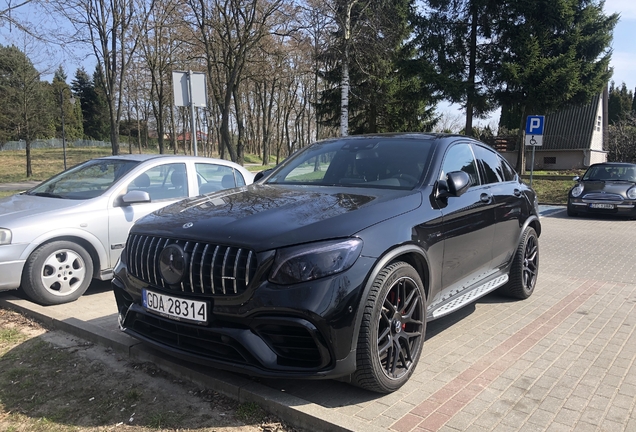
[84,243]
[413,255]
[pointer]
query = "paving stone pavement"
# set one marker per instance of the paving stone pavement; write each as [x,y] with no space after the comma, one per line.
[563,360]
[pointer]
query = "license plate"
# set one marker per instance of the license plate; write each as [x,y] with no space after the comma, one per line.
[602,206]
[175,308]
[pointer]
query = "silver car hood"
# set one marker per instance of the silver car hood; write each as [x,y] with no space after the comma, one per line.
[20,208]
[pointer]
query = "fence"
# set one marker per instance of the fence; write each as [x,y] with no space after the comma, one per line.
[51,143]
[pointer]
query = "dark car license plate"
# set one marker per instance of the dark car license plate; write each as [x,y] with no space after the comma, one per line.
[175,308]
[602,206]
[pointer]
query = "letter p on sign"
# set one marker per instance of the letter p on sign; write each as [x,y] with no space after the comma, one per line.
[534,125]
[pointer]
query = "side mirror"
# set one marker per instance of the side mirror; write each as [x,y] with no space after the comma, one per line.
[577,178]
[134,197]
[456,184]
[259,175]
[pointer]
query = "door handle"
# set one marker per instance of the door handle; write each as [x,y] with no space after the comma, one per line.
[485,198]
[517,192]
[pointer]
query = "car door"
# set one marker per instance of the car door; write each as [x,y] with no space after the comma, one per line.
[468,226]
[508,202]
[166,183]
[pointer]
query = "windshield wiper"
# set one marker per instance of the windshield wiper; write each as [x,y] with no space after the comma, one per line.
[47,195]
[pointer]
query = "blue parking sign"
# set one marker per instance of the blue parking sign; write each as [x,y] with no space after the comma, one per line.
[534,125]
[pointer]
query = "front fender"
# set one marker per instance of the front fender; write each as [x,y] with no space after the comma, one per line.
[390,256]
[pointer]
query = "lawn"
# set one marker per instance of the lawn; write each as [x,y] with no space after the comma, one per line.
[47,162]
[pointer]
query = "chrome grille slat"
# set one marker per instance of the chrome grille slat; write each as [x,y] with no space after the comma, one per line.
[141,259]
[223,277]
[236,264]
[194,252]
[212,264]
[231,268]
[205,251]
[247,266]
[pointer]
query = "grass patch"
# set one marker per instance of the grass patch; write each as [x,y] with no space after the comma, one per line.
[249,412]
[552,191]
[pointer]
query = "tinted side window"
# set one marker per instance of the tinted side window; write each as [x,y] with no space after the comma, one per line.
[509,172]
[460,158]
[491,165]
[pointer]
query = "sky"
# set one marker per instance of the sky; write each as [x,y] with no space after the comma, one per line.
[623,57]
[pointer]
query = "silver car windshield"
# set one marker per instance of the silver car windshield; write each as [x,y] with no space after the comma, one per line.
[85,181]
[365,162]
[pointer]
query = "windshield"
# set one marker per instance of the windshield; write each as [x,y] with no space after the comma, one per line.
[85,181]
[610,173]
[398,163]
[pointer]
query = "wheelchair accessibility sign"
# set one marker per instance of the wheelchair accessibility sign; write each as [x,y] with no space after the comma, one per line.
[534,130]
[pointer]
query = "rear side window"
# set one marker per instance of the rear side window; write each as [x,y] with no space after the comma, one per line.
[491,165]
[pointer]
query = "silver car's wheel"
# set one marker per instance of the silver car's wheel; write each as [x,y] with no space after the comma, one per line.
[57,272]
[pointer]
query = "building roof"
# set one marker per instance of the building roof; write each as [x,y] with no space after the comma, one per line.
[572,128]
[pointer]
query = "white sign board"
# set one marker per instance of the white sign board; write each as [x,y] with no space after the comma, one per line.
[189,86]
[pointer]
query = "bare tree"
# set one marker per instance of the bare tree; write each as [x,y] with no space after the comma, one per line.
[229,31]
[113,33]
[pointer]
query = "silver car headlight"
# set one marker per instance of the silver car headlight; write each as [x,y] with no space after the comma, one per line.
[314,260]
[577,190]
[631,193]
[5,236]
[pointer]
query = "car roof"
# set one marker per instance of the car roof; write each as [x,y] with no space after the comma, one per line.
[426,135]
[145,157]
[614,164]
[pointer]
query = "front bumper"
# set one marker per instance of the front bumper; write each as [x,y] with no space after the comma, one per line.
[11,266]
[623,208]
[298,331]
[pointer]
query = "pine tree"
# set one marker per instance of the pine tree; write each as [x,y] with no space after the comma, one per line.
[385,92]
[620,103]
[93,106]
[555,53]
[25,103]
[458,38]
[62,93]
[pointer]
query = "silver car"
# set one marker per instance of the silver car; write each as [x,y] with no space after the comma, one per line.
[56,237]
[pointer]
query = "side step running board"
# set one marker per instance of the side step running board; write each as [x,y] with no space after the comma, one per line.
[468,297]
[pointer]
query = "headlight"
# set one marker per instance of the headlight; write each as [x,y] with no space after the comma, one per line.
[577,190]
[5,236]
[631,193]
[314,261]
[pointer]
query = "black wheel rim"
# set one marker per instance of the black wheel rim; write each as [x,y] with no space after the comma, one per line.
[400,328]
[530,261]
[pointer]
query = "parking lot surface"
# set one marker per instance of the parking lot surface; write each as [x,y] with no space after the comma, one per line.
[563,360]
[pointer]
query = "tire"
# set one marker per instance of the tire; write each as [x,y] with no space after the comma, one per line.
[392,330]
[57,272]
[525,267]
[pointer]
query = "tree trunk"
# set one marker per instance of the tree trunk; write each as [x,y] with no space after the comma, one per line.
[472,72]
[521,148]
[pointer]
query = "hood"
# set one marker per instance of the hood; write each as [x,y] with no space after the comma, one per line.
[263,217]
[608,186]
[21,207]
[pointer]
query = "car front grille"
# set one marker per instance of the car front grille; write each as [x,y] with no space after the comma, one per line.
[213,269]
[602,197]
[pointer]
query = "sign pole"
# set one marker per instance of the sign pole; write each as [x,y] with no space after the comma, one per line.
[532,165]
[192,113]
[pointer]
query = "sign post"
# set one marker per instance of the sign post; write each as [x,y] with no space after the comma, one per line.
[190,90]
[534,136]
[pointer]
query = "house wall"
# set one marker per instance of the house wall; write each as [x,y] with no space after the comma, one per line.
[558,159]
[596,143]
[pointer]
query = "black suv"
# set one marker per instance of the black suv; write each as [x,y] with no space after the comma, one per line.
[331,265]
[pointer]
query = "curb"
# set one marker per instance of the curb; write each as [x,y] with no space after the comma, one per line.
[293,410]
